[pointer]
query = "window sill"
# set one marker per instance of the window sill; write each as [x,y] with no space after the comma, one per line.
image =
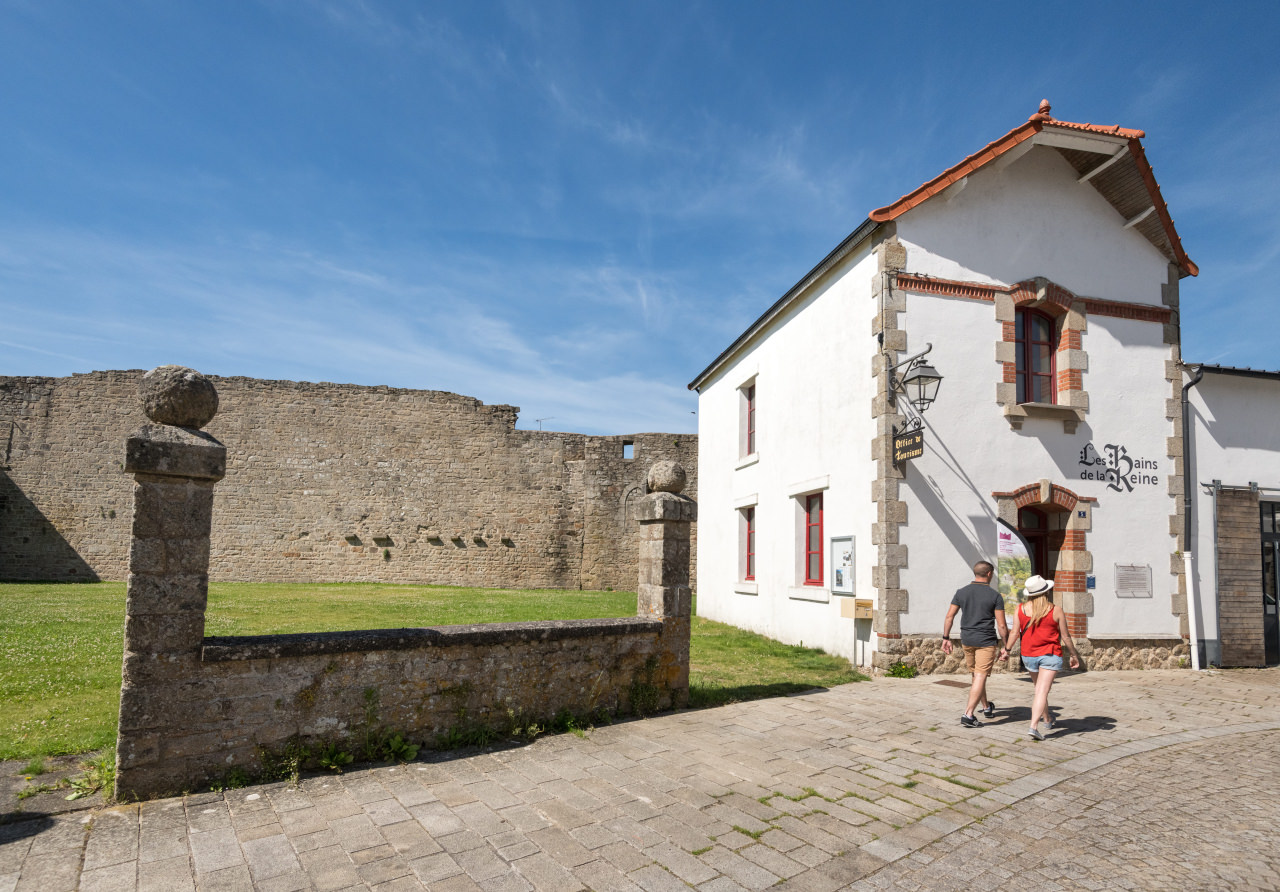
[747,461]
[1070,416]
[746,588]
[809,593]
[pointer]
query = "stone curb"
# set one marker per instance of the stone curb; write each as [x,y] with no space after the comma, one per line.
[902,844]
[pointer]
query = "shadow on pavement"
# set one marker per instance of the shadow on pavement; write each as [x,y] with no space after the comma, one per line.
[1014,715]
[16,825]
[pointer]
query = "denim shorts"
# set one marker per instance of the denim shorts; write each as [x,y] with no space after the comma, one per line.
[1048,661]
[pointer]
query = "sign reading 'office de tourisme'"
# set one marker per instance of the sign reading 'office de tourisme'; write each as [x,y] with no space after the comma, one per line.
[908,446]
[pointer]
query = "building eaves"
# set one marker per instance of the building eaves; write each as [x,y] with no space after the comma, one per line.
[1243,372]
[841,251]
[1160,230]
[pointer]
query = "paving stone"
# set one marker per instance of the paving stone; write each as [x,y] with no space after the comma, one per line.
[383,870]
[742,871]
[356,832]
[547,875]
[624,856]
[121,877]
[269,857]
[772,860]
[435,868]
[228,879]
[171,875]
[114,839]
[681,863]
[215,850]
[436,818]
[603,876]
[655,879]
[561,846]
[410,840]
[329,868]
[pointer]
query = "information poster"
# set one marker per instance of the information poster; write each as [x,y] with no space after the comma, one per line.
[842,565]
[1013,566]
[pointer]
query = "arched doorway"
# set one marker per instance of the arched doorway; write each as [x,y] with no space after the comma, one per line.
[1055,522]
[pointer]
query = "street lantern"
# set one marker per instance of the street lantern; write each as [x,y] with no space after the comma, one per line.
[920,384]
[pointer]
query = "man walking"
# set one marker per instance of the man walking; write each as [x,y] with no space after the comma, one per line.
[982,632]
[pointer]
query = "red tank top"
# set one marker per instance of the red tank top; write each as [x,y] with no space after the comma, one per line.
[1041,638]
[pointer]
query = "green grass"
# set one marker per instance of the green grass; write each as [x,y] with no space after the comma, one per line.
[728,664]
[61,645]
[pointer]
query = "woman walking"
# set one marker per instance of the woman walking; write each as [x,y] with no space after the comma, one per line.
[1042,628]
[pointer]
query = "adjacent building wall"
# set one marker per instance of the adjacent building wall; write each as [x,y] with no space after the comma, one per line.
[331,482]
[1235,426]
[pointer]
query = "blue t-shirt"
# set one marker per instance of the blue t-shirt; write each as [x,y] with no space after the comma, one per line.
[978,604]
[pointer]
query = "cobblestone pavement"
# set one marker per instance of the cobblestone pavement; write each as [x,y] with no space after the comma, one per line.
[872,785]
[1195,816]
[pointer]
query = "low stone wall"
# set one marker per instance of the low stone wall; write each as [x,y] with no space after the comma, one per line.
[925,654]
[193,708]
[192,719]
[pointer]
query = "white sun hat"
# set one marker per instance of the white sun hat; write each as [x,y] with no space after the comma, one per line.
[1036,586]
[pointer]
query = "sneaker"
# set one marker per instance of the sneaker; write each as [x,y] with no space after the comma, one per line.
[1034,734]
[990,711]
[970,722]
[1050,724]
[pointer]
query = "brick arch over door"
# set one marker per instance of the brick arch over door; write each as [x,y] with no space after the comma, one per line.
[1074,560]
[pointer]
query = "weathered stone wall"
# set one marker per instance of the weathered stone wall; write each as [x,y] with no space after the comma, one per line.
[189,718]
[331,482]
[194,708]
[925,654]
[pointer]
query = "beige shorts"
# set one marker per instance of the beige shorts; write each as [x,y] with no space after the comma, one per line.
[979,659]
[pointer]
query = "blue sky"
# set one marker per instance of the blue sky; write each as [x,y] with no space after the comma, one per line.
[570,207]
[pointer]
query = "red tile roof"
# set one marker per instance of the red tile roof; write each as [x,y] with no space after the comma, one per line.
[1035,124]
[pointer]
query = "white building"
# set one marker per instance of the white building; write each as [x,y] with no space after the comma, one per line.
[1041,274]
[1234,417]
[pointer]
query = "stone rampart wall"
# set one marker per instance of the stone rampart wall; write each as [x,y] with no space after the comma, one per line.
[330,483]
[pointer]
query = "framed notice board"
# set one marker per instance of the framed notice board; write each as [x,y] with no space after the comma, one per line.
[841,552]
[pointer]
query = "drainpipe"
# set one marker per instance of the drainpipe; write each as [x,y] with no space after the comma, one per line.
[1188,493]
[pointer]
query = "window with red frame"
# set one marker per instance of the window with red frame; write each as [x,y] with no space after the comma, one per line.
[1036,337]
[813,540]
[751,419]
[750,564]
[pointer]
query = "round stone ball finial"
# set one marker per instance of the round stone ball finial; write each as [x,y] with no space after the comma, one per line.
[667,476]
[177,395]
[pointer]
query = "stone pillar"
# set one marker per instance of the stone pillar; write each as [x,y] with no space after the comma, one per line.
[174,466]
[663,592]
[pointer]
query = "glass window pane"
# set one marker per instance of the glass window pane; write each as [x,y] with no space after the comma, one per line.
[815,508]
[815,538]
[1268,517]
[1038,389]
[1268,572]
[1042,357]
[1041,329]
[1019,332]
[1028,520]
[815,566]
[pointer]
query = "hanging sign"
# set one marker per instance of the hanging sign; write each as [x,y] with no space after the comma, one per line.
[908,446]
[1013,566]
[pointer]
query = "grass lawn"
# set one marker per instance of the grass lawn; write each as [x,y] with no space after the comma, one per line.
[61,645]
